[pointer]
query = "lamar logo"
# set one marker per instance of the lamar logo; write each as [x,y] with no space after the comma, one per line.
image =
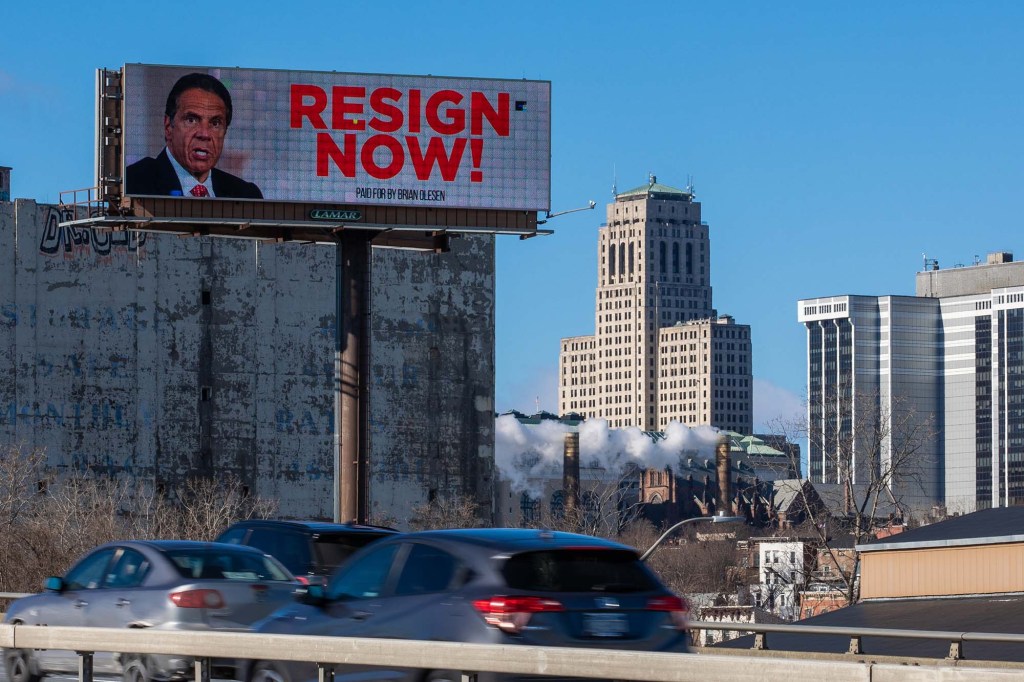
[335,215]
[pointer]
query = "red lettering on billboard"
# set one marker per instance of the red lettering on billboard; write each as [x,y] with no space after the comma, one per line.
[480,109]
[381,102]
[477,150]
[414,111]
[456,122]
[312,111]
[346,115]
[327,150]
[370,164]
[389,110]
[447,164]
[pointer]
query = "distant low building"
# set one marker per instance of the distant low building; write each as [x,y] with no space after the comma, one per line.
[959,575]
[974,554]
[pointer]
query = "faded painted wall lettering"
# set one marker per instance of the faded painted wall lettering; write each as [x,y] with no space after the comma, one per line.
[83,364]
[75,415]
[305,424]
[72,241]
[105,319]
[11,314]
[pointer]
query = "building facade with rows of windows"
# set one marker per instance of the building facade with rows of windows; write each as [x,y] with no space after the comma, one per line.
[953,355]
[660,352]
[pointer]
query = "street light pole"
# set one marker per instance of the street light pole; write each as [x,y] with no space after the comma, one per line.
[717,518]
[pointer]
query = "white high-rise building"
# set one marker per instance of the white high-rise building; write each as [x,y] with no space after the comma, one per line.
[660,353]
[953,355]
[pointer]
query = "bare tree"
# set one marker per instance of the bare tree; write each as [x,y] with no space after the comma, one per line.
[446,512]
[21,479]
[871,463]
[206,506]
[51,520]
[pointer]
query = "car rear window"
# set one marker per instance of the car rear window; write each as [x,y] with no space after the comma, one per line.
[332,550]
[206,564]
[578,570]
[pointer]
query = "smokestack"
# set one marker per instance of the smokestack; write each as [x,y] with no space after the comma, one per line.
[723,506]
[571,470]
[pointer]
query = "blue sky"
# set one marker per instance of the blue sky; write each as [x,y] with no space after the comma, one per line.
[832,145]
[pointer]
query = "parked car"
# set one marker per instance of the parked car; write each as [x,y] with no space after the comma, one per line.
[170,584]
[491,586]
[309,549]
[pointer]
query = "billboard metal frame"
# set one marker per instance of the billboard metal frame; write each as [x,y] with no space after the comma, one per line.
[400,226]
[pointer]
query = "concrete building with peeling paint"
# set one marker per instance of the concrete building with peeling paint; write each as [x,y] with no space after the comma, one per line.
[161,358]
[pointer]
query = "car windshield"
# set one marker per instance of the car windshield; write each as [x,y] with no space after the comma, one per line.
[578,570]
[218,564]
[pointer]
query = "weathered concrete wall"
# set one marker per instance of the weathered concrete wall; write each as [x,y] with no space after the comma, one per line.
[432,376]
[160,357]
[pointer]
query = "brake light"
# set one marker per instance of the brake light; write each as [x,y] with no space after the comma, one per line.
[677,608]
[302,580]
[198,599]
[511,614]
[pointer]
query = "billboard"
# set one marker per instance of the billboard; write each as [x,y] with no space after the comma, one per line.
[336,138]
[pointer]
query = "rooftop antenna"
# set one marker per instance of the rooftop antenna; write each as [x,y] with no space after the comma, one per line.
[536,402]
[652,178]
[615,182]
[689,184]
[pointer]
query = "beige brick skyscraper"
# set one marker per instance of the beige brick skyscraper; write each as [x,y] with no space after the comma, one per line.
[660,353]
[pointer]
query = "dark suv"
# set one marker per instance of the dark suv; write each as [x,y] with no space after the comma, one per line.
[309,549]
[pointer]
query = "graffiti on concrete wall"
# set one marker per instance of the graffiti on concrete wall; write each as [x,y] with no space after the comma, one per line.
[76,415]
[72,241]
[102,318]
[305,424]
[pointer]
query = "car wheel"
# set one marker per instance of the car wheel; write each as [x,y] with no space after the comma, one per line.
[135,670]
[19,666]
[265,671]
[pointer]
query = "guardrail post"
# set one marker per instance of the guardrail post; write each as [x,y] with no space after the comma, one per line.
[761,641]
[855,645]
[325,673]
[956,651]
[84,666]
[202,669]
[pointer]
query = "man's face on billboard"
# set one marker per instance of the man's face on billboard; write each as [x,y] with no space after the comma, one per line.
[196,133]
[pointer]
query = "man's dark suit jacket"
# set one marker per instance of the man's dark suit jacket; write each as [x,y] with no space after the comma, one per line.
[157,177]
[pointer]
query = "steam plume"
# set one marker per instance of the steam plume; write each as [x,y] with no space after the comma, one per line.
[525,454]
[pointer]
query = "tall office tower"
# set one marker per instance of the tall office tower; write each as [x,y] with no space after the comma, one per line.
[953,354]
[659,352]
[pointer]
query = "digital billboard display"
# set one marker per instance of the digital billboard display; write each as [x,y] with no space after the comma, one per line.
[336,138]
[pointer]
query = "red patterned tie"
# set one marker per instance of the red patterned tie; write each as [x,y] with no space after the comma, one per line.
[199,191]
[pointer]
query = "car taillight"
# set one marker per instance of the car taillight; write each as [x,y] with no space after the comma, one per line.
[198,599]
[677,607]
[302,580]
[511,614]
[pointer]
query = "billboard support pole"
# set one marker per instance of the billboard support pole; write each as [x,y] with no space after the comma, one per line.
[351,375]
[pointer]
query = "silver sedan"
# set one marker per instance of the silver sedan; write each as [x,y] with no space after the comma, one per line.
[163,584]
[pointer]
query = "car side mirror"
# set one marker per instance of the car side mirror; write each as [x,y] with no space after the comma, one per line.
[53,584]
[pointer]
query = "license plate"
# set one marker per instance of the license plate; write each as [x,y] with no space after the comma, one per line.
[605,624]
